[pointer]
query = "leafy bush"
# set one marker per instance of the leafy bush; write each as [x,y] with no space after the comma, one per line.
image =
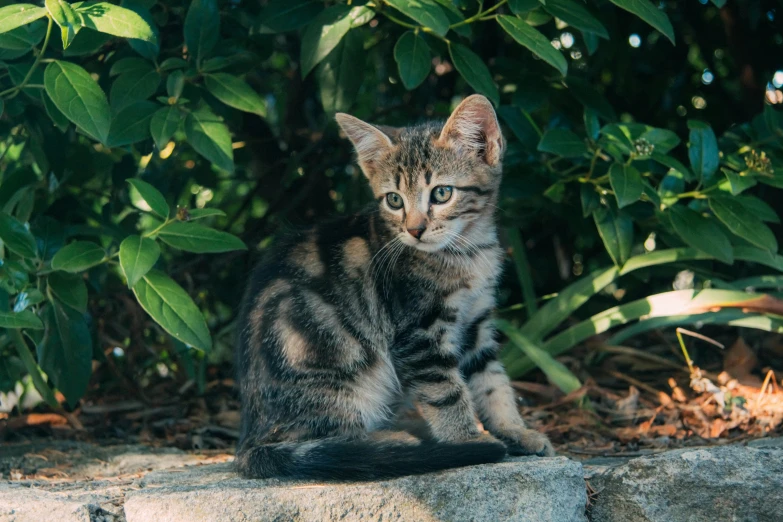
[221,114]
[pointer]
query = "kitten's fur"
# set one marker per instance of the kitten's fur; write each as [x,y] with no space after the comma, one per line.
[342,322]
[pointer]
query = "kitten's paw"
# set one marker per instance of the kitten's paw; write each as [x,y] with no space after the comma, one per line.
[528,442]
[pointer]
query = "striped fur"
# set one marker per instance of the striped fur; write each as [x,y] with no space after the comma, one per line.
[344,322]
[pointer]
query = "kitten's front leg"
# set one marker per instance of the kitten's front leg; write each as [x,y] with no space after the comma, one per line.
[431,372]
[494,398]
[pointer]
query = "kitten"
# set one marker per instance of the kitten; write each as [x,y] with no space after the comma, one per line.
[344,321]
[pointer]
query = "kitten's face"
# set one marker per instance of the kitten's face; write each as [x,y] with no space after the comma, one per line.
[430,193]
[434,183]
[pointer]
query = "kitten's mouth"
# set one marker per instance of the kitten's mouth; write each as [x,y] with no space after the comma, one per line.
[424,244]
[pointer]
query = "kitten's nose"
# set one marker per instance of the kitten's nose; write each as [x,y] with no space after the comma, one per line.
[418,231]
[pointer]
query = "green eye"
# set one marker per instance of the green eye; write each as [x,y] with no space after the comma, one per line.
[394,200]
[441,194]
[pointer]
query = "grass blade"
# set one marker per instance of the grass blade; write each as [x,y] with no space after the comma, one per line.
[523,270]
[555,371]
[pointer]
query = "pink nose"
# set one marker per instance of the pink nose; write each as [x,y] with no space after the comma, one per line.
[417,232]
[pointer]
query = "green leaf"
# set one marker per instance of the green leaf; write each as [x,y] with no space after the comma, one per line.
[69,289]
[626,183]
[455,16]
[728,317]
[148,49]
[155,202]
[65,353]
[325,32]
[472,68]
[173,309]
[648,12]
[425,12]
[235,93]
[555,192]
[592,124]
[703,150]
[667,304]
[16,237]
[412,55]
[280,16]
[562,142]
[137,257]
[87,42]
[668,161]
[66,18]
[116,21]
[664,140]
[577,16]
[735,183]
[523,6]
[201,213]
[24,319]
[22,39]
[735,216]
[49,236]
[132,124]
[759,208]
[2,106]
[202,27]
[78,256]
[519,123]
[701,232]
[556,310]
[199,239]
[132,87]
[17,15]
[170,64]
[555,371]
[589,198]
[207,133]
[164,124]
[533,40]
[340,75]
[175,83]
[616,231]
[79,98]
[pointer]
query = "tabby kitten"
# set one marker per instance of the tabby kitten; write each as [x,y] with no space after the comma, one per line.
[343,322]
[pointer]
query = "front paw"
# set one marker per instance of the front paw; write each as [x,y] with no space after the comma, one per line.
[524,441]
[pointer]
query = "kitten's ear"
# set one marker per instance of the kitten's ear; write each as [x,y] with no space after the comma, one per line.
[370,143]
[473,128]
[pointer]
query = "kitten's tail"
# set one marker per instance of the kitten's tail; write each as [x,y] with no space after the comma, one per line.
[342,459]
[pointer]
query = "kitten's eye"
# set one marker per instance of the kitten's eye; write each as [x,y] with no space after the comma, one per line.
[394,200]
[441,194]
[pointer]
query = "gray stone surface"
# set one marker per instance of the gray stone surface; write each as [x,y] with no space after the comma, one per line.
[716,484]
[27,501]
[726,483]
[523,489]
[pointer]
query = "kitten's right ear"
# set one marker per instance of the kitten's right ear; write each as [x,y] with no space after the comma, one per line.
[370,143]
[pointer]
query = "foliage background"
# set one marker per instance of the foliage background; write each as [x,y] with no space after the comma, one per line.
[634,127]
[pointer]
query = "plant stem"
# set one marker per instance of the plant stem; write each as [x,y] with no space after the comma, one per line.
[697,194]
[414,27]
[158,229]
[478,16]
[13,91]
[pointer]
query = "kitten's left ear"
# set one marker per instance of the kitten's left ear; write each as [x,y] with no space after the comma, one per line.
[473,128]
[368,140]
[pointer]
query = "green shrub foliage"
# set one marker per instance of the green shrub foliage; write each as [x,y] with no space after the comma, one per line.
[144,144]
